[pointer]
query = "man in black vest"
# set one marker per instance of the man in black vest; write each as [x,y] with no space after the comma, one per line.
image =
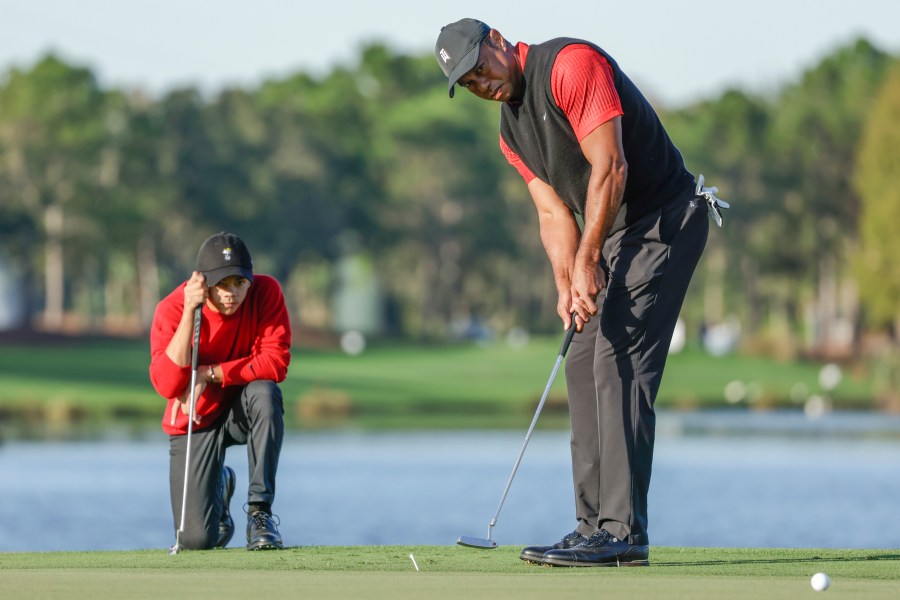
[588,143]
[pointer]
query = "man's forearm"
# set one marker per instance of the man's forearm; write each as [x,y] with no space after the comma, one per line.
[606,187]
[560,236]
[604,199]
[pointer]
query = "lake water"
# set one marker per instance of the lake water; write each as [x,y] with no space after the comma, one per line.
[720,479]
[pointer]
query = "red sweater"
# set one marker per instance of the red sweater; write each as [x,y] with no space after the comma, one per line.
[254,343]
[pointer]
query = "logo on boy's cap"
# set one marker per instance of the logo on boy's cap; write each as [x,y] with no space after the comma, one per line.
[224,255]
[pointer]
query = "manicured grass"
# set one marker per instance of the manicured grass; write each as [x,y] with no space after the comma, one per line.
[445,572]
[490,385]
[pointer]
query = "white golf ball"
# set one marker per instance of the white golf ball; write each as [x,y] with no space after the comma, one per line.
[820,582]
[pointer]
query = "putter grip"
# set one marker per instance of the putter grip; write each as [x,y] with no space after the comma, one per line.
[198,313]
[568,339]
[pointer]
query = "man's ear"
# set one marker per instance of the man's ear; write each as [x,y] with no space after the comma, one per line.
[497,40]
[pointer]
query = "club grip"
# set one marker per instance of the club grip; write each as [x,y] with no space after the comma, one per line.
[570,333]
[195,354]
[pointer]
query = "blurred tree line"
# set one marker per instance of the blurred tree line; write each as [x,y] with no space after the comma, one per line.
[106,194]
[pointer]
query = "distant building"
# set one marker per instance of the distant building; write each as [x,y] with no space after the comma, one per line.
[12,302]
[357,304]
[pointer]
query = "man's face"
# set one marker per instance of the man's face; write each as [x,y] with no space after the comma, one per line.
[497,75]
[227,295]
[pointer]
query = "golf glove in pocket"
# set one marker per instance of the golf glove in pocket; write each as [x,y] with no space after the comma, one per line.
[713,204]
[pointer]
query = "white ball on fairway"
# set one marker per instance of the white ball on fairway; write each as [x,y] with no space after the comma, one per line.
[820,582]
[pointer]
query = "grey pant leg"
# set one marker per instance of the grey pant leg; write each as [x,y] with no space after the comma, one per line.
[585,426]
[205,504]
[651,264]
[258,421]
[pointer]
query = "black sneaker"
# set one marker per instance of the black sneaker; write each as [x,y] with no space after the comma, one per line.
[536,553]
[600,550]
[226,524]
[262,532]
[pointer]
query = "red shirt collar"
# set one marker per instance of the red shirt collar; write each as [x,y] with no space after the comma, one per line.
[522,53]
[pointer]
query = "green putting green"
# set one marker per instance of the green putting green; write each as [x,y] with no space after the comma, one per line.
[452,572]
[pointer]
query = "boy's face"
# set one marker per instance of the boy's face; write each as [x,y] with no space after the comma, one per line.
[227,295]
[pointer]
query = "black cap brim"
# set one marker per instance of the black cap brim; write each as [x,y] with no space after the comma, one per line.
[215,276]
[465,64]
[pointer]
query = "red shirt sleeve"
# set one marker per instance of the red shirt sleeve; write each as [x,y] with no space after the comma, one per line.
[582,85]
[271,352]
[514,159]
[168,379]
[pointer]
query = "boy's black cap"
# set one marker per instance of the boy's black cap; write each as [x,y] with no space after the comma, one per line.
[223,255]
[458,47]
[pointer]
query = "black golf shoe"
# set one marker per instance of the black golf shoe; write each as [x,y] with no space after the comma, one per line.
[262,532]
[536,553]
[600,550]
[226,524]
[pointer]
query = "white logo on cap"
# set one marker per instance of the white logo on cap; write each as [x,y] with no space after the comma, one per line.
[444,55]
[226,254]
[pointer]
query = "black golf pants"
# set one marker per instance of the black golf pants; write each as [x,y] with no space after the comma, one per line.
[614,367]
[256,418]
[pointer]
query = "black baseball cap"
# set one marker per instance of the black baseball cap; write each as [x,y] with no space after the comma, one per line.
[223,255]
[458,47]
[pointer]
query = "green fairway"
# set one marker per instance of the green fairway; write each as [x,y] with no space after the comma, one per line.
[383,572]
[391,386]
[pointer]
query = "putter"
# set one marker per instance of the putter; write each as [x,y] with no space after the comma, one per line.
[490,544]
[198,313]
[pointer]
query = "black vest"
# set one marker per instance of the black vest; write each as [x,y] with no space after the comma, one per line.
[539,132]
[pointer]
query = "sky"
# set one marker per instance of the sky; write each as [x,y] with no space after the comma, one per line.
[677,52]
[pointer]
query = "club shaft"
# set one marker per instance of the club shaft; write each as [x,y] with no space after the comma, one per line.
[537,413]
[187,454]
[195,351]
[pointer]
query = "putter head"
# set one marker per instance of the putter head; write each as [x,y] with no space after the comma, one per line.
[474,542]
[174,549]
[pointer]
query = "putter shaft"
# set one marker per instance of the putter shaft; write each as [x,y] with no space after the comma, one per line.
[489,542]
[534,421]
